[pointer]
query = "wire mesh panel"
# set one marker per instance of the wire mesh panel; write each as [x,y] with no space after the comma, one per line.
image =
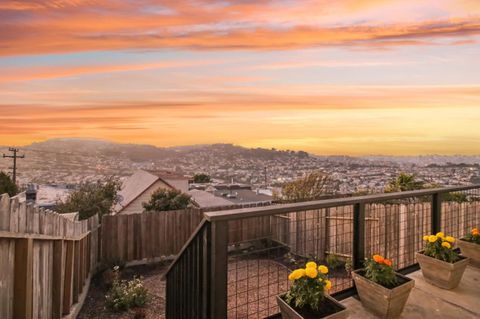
[460,212]
[263,251]
[395,229]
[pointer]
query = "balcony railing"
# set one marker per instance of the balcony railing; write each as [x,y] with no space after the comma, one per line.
[237,261]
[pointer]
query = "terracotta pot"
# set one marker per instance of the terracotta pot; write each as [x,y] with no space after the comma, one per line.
[470,250]
[289,312]
[384,302]
[441,273]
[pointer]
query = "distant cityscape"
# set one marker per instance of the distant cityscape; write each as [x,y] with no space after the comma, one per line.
[72,161]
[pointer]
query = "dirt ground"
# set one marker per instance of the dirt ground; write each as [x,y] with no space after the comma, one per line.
[94,306]
[252,289]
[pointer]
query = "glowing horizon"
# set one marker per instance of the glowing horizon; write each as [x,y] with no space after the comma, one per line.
[350,77]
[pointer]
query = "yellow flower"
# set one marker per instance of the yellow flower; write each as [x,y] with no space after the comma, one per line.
[311,264]
[328,284]
[446,245]
[296,274]
[432,238]
[300,273]
[311,272]
[475,232]
[440,234]
[450,239]
[323,269]
[425,238]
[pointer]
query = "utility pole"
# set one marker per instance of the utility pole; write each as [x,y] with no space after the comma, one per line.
[265,174]
[14,156]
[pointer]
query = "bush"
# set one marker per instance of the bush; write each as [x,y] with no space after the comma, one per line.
[440,247]
[379,270]
[167,199]
[126,294]
[310,284]
[473,236]
[334,261]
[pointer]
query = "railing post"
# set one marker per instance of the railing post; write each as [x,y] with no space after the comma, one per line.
[358,235]
[219,269]
[436,212]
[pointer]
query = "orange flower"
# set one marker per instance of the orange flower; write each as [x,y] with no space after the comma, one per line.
[387,262]
[379,259]
[475,232]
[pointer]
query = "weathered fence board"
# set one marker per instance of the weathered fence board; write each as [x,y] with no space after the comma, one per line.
[36,264]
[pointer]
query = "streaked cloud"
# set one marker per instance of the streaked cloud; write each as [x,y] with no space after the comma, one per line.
[38,27]
[347,76]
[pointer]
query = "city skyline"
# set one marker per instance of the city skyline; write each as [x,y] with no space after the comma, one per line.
[349,77]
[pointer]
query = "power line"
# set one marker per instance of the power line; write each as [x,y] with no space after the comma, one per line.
[14,157]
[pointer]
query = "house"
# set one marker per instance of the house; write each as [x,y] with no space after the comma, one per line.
[228,195]
[139,187]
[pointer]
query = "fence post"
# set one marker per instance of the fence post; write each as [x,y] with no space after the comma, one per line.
[219,269]
[436,212]
[358,235]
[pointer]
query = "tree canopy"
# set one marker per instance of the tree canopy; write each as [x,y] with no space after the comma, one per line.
[313,186]
[7,185]
[202,178]
[91,198]
[167,199]
[404,182]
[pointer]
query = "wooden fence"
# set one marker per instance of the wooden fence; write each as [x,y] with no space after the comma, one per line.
[391,229]
[46,261]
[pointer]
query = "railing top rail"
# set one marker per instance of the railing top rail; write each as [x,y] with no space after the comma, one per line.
[327,203]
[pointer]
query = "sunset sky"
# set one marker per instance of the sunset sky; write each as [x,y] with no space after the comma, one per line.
[330,77]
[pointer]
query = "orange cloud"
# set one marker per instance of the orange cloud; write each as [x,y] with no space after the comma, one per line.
[70,26]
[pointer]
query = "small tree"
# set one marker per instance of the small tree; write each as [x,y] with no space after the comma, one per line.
[312,186]
[167,199]
[404,182]
[201,178]
[91,198]
[7,185]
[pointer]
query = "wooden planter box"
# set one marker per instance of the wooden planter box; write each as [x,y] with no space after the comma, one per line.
[289,312]
[440,273]
[470,250]
[384,302]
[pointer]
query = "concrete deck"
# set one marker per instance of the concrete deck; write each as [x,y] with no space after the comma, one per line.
[427,301]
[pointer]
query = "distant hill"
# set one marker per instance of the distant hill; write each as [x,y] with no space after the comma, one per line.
[141,153]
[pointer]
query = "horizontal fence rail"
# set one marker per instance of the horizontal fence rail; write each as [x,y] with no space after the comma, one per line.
[254,249]
[46,260]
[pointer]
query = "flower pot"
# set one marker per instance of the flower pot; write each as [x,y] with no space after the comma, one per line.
[471,250]
[441,273]
[330,309]
[384,302]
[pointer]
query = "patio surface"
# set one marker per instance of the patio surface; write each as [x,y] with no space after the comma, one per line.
[427,301]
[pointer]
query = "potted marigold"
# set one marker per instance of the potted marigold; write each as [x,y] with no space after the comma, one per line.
[380,288]
[470,247]
[441,265]
[308,295]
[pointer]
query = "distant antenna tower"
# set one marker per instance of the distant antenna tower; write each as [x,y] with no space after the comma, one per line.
[14,157]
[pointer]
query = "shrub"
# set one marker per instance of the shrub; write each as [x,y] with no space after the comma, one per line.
[379,270]
[126,294]
[473,236]
[440,247]
[334,261]
[167,199]
[309,286]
